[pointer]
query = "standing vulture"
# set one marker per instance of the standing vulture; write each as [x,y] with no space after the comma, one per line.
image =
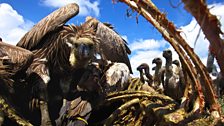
[216,76]
[172,84]
[159,70]
[61,51]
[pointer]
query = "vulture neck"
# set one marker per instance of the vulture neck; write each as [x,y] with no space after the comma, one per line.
[147,74]
[168,66]
[157,74]
[142,76]
[158,67]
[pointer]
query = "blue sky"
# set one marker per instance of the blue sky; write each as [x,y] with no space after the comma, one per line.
[18,16]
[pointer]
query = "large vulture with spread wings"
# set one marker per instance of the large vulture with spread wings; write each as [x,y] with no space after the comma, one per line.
[60,51]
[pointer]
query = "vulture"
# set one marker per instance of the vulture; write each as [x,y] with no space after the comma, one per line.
[99,79]
[159,70]
[115,78]
[172,84]
[62,52]
[14,62]
[210,66]
[216,76]
[144,70]
[104,77]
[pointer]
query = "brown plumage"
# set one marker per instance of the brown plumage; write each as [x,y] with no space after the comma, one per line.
[99,79]
[115,77]
[18,59]
[13,64]
[111,45]
[49,40]
[51,23]
[105,77]
[74,113]
[60,50]
[90,79]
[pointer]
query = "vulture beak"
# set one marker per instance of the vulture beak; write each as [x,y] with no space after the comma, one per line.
[154,61]
[138,68]
[84,51]
[176,62]
[167,53]
[154,68]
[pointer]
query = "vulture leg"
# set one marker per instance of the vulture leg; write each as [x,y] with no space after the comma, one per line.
[141,76]
[38,71]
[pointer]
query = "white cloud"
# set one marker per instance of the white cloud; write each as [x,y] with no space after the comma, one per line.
[146,44]
[143,51]
[86,6]
[125,37]
[190,32]
[12,25]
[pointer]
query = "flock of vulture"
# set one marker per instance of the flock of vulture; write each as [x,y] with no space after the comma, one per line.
[58,74]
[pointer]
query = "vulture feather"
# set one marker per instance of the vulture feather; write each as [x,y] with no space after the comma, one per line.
[51,23]
[74,113]
[18,59]
[99,79]
[116,77]
[14,62]
[60,51]
[111,45]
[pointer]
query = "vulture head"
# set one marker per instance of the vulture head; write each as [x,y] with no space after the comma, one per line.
[81,43]
[143,66]
[167,54]
[81,49]
[176,62]
[157,61]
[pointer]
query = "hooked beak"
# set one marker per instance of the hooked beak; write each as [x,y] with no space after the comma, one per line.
[84,51]
[154,61]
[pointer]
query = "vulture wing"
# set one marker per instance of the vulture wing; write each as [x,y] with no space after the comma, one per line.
[111,45]
[32,39]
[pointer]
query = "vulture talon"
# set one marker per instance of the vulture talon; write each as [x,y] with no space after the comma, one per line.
[33,104]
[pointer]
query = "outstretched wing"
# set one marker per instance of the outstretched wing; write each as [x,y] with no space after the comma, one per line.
[111,46]
[32,39]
